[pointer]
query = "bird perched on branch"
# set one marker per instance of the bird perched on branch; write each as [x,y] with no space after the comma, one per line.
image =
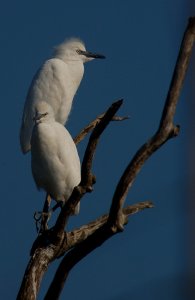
[55,83]
[54,158]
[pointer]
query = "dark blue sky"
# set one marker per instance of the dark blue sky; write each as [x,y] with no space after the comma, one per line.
[141,40]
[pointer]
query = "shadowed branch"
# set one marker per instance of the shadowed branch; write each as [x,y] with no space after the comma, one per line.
[165,131]
[86,239]
[73,238]
[117,218]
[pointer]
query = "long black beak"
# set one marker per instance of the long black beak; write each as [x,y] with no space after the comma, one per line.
[90,54]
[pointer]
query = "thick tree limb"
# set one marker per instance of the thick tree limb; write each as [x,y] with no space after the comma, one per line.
[75,237]
[165,131]
[85,240]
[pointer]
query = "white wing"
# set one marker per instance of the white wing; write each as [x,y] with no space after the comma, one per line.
[49,85]
[55,161]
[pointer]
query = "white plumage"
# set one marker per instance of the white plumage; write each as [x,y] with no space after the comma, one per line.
[54,157]
[55,83]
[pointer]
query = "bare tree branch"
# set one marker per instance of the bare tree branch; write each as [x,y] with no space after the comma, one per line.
[86,239]
[92,125]
[117,216]
[73,238]
[94,138]
[165,131]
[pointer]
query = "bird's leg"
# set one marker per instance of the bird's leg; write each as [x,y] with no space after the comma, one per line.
[45,215]
[42,218]
[58,204]
[37,218]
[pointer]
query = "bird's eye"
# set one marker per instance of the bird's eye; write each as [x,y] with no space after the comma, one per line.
[78,51]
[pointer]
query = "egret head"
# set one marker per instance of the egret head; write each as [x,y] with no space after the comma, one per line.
[74,50]
[43,112]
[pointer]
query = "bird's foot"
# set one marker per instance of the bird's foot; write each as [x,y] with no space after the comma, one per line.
[41,220]
[42,217]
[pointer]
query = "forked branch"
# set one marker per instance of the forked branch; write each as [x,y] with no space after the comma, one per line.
[165,131]
[86,239]
[75,237]
[117,217]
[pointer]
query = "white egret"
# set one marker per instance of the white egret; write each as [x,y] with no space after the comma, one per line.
[56,83]
[54,158]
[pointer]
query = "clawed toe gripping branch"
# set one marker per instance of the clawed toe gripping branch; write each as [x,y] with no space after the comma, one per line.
[73,246]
